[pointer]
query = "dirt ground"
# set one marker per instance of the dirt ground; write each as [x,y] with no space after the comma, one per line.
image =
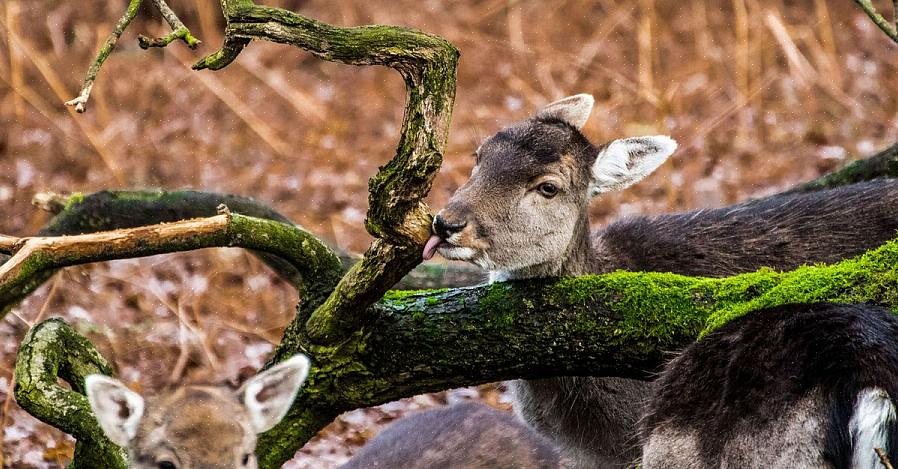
[760,95]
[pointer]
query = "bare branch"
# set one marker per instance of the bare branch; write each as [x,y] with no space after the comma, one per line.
[179,31]
[112,210]
[81,101]
[318,266]
[891,29]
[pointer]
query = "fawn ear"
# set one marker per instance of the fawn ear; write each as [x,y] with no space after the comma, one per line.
[118,409]
[625,162]
[269,395]
[574,110]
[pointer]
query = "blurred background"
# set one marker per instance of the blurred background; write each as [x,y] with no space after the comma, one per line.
[760,95]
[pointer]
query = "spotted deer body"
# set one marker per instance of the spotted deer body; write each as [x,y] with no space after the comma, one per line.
[470,436]
[195,427]
[523,213]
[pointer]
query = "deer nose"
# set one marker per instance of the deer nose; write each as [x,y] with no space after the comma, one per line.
[445,229]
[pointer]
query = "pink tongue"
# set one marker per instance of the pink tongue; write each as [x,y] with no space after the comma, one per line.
[431,247]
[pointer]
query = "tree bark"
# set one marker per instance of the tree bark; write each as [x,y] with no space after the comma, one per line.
[53,350]
[621,324]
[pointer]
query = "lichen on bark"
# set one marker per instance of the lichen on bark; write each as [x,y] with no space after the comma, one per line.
[52,350]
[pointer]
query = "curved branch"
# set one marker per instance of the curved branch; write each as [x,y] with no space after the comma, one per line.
[52,350]
[317,265]
[397,215]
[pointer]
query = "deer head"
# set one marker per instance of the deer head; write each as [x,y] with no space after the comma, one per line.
[196,427]
[525,205]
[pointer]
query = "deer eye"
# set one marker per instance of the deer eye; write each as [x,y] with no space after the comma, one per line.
[547,189]
[166,465]
[246,458]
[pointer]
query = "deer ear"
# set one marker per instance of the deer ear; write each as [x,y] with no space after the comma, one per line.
[269,395]
[574,110]
[118,409]
[625,162]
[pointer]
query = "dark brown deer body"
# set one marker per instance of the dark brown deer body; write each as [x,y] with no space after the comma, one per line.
[523,213]
[470,435]
[797,386]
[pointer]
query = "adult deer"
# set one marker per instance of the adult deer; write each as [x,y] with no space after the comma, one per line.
[470,435]
[196,427]
[798,386]
[523,213]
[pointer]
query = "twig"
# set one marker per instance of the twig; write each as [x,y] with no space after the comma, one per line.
[891,29]
[883,457]
[179,31]
[107,49]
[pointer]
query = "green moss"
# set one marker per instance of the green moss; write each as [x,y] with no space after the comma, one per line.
[870,278]
[407,299]
[74,199]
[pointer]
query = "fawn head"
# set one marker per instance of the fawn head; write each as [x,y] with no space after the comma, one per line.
[196,427]
[531,184]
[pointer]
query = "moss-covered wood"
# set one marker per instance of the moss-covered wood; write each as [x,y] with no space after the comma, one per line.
[397,215]
[52,350]
[36,258]
[619,324]
[881,165]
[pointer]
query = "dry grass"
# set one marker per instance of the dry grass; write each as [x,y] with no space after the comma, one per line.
[760,95]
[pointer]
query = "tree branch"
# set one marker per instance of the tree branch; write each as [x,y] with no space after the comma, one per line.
[891,29]
[317,265]
[620,324]
[52,350]
[179,31]
[112,210]
[107,48]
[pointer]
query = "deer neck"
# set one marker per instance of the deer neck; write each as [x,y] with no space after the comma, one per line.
[578,259]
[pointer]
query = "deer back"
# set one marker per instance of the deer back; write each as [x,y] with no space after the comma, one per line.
[808,385]
[461,436]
